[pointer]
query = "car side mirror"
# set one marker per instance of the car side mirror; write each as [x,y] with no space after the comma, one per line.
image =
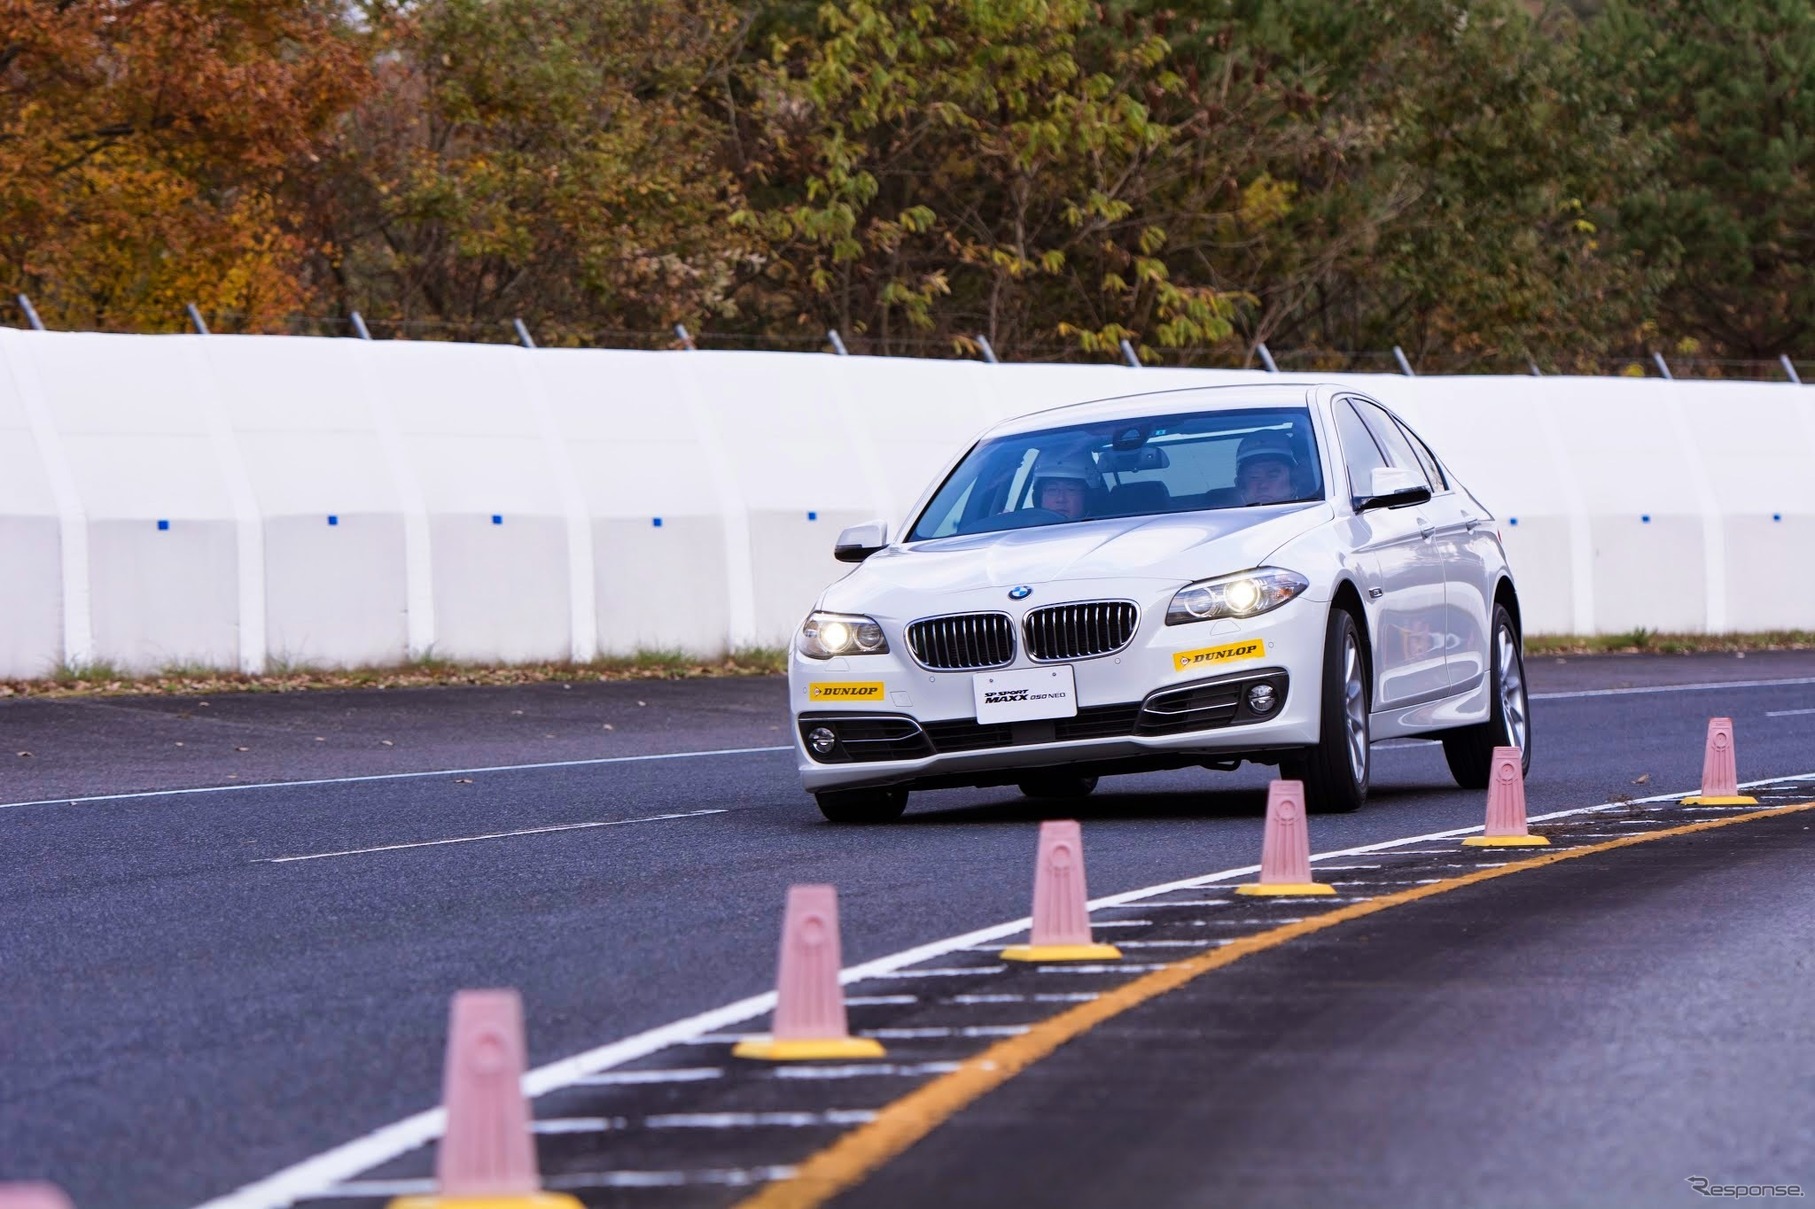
[860,541]
[1393,487]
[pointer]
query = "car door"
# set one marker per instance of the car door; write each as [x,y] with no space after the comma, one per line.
[1466,542]
[1402,571]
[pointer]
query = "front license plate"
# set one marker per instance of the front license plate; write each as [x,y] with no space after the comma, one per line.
[1041,692]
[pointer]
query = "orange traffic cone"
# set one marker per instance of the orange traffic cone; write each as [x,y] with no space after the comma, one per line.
[487,1158]
[809,1003]
[1285,850]
[1720,770]
[1061,930]
[1506,805]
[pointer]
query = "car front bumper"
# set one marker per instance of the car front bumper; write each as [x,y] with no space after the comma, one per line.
[1159,701]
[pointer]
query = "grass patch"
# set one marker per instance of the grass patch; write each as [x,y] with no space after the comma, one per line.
[102,679]
[1651,642]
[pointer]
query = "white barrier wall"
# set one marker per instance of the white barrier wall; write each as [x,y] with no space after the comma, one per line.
[244,501]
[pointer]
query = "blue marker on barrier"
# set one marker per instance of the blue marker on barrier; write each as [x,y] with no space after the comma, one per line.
[496,519]
[657,522]
[163,525]
[332,519]
[812,516]
[1777,516]
[1512,520]
[1645,518]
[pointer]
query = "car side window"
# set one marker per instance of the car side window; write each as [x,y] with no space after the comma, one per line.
[1393,441]
[1433,469]
[1360,454]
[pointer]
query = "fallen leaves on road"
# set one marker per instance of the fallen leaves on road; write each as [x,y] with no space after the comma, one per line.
[1643,778]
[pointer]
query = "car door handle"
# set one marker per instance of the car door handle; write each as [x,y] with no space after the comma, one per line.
[1428,531]
[1472,524]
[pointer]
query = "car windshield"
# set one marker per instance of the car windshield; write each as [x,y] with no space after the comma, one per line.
[1129,467]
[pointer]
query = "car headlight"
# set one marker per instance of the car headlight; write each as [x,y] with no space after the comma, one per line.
[1244,594]
[823,635]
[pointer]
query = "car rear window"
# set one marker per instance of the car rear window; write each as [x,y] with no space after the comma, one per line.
[1130,467]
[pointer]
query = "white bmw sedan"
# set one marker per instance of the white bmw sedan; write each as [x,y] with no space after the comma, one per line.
[1279,574]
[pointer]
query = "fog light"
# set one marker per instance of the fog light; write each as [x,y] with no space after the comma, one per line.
[1260,698]
[821,740]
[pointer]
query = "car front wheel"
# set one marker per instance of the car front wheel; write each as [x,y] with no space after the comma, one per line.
[862,805]
[1470,749]
[1335,772]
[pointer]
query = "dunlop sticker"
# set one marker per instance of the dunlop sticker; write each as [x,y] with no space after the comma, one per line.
[869,690]
[1231,652]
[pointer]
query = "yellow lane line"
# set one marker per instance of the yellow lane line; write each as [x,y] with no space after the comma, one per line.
[899,1125]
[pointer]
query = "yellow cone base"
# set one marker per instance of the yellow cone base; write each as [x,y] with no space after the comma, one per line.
[1286,889]
[519,1200]
[1506,841]
[1061,953]
[1739,801]
[767,1049]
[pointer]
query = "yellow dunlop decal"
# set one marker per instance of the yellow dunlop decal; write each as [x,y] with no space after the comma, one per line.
[1229,652]
[867,690]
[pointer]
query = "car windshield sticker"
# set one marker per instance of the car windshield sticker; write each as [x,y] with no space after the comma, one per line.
[868,690]
[1230,652]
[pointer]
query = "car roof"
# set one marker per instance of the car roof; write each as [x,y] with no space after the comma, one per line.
[1164,402]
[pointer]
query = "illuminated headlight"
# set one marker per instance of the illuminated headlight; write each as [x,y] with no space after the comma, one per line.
[823,635]
[1246,594]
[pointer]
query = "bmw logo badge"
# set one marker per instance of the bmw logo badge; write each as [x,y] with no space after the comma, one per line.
[1021,592]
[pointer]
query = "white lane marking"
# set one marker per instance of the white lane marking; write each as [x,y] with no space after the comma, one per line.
[622,1078]
[865,1071]
[1172,944]
[744,1177]
[752,1120]
[1181,902]
[309,1177]
[930,1033]
[1787,713]
[878,1000]
[1048,997]
[393,776]
[1126,967]
[1122,923]
[1344,868]
[566,1125]
[1670,688]
[958,971]
[491,835]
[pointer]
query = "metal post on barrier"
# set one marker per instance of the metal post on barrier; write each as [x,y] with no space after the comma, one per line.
[1405,367]
[1266,357]
[1134,362]
[31,313]
[359,325]
[523,336]
[1789,367]
[195,317]
[989,354]
[1657,359]
[837,342]
[686,339]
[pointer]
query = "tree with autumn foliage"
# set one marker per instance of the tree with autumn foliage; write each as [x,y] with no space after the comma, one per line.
[148,150]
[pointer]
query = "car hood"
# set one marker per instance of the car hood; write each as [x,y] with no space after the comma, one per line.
[1176,546]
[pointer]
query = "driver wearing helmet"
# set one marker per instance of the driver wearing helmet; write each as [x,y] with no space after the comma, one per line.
[1062,483]
[1264,468]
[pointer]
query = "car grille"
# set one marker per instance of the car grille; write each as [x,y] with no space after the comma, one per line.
[963,641]
[1079,631]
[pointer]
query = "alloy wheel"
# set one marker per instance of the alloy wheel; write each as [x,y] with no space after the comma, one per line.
[1512,688]
[1355,710]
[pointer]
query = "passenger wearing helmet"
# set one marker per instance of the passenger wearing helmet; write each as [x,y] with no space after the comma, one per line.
[1264,468]
[1062,483]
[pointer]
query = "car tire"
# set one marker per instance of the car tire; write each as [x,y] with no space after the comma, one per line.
[1335,772]
[862,805]
[1056,785]
[1470,749]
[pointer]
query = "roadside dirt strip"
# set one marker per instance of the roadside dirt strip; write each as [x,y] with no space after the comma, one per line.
[682,1123]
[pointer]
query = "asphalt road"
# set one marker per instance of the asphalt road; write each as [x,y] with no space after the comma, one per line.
[184,1015]
[1593,1034]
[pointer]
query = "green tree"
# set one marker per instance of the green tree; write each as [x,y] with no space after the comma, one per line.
[1727,214]
[926,170]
